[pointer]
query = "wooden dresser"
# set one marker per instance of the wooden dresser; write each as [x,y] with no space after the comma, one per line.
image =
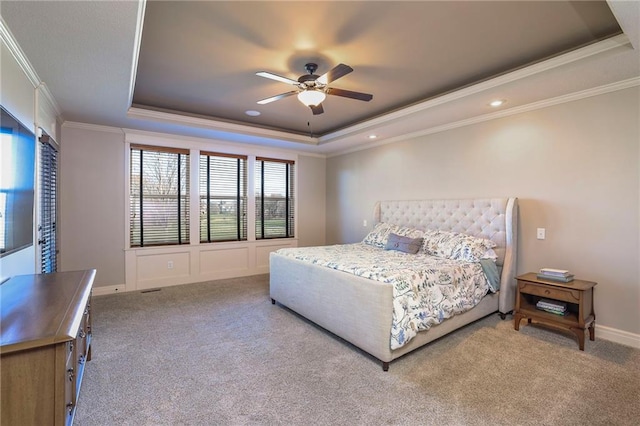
[45,333]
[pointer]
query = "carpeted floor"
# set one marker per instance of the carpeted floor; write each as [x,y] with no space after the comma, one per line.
[219,353]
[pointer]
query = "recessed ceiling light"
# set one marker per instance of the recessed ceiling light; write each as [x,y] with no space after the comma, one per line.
[252,113]
[373,136]
[497,103]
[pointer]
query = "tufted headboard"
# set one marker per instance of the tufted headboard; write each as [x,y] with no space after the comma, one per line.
[491,218]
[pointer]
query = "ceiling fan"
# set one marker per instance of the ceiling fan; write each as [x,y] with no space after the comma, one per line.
[313,89]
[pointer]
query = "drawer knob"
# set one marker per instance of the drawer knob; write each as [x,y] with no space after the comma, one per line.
[547,292]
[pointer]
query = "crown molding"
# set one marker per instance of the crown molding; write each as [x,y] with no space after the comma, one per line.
[549,64]
[223,126]
[146,137]
[596,91]
[142,4]
[23,62]
[43,90]
[10,41]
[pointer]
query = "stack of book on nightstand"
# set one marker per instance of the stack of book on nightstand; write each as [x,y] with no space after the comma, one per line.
[553,306]
[561,275]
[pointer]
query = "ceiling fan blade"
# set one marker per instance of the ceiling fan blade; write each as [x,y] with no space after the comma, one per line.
[316,109]
[277,97]
[276,77]
[338,71]
[349,94]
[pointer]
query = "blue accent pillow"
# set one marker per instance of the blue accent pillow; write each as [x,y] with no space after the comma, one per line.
[403,244]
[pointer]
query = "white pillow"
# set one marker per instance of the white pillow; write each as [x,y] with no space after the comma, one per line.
[379,235]
[457,246]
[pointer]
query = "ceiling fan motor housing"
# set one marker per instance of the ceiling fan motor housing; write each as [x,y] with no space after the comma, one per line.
[311,67]
[309,80]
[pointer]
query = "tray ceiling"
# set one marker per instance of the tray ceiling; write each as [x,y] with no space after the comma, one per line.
[201,58]
[189,68]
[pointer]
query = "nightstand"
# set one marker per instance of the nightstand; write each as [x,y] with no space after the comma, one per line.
[578,295]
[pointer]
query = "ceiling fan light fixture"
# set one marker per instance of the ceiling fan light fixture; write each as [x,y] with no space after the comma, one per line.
[313,90]
[311,97]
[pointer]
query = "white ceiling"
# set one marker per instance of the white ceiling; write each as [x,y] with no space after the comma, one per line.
[189,68]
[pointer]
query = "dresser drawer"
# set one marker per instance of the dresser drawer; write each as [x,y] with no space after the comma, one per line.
[565,295]
[70,386]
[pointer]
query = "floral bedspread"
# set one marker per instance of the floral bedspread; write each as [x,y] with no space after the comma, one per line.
[426,289]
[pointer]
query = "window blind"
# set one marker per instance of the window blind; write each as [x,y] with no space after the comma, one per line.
[159,196]
[274,189]
[223,197]
[48,239]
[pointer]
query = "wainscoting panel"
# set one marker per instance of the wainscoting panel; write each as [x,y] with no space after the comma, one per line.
[224,260]
[148,268]
[167,267]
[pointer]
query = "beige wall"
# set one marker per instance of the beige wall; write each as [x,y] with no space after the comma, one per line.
[311,201]
[92,202]
[92,218]
[574,168]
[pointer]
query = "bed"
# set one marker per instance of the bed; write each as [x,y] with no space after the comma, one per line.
[360,310]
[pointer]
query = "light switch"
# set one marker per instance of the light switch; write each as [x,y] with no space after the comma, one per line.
[542,233]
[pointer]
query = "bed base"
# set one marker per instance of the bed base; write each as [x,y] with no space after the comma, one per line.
[359,310]
[356,309]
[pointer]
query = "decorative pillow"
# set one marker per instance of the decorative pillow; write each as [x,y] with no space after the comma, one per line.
[457,246]
[380,234]
[403,244]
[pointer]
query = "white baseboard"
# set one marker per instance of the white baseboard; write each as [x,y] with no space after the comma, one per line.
[618,336]
[109,289]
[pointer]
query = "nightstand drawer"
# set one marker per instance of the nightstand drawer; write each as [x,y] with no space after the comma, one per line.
[566,295]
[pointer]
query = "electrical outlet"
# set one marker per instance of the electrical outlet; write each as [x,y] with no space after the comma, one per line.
[170,264]
[364,223]
[541,233]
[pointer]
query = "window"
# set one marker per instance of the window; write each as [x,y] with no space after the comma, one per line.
[159,196]
[17,184]
[223,197]
[48,238]
[274,198]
